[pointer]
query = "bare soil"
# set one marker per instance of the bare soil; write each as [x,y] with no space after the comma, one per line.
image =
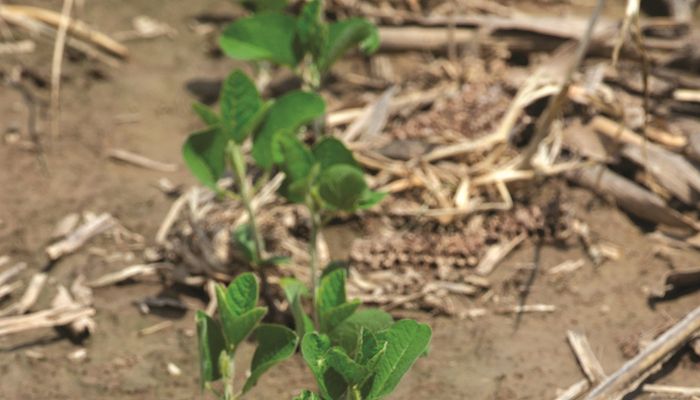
[144,106]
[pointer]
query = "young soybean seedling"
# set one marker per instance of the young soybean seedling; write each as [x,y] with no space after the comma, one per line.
[209,154]
[370,372]
[239,318]
[327,180]
[244,115]
[306,43]
[354,354]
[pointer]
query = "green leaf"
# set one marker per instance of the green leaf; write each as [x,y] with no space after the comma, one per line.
[286,115]
[342,186]
[206,114]
[295,290]
[298,160]
[312,31]
[346,34]
[237,326]
[370,198]
[241,327]
[330,319]
[211,344]
[371,352]
[370,349]
[334,266]
[267,36]
[406,341]
[204,155]
[241,106]
[297,165]
[314,348]
[245,242]
[224,303]
[347,333]
[243,293]
[331,151]
[276,343]
[294,192]
[264,5]
[352,372]
[331,291]
[335,383]
[307,395]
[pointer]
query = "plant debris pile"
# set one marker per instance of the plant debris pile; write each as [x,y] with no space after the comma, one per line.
[454,141]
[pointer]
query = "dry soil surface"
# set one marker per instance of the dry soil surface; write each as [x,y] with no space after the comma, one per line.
[144,106]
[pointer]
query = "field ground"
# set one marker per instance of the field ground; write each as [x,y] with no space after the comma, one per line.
[144,106]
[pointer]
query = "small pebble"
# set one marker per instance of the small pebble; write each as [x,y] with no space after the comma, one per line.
[174,370]
[78,355]
[35,355]
[188,332]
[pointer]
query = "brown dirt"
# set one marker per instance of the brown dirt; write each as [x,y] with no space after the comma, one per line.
[491,357]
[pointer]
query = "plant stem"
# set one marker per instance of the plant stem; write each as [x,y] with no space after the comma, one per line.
[239,170]
[229,393]
[354,393]
[313,253]
[238,164]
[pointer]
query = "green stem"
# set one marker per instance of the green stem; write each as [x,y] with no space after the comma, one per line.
[313,253]
[238,164]
[229,391]
[354,393]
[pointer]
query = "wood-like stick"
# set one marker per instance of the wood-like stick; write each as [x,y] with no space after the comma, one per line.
[685,392]
[80,236]
[56,63]
[10,273]
[30,296]
[575,391]
[171,218]
[75,27]
[43,319]
[630,375]
[141,161]
[586,358]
